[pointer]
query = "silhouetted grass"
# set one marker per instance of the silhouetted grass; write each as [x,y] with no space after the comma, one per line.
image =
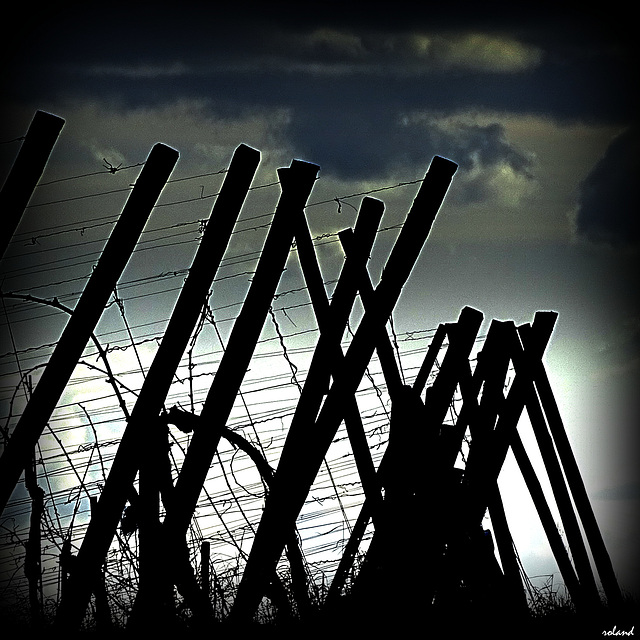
[550,614]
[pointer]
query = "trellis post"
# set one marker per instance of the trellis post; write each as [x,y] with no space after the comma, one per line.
[144,416]
[296,472]
[592,531]
[297,182]
[86,314]
[26,172]
[523,363]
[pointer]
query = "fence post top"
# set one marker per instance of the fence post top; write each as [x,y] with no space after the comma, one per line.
[443,166]
[245,149]
[160,148]
[299,169]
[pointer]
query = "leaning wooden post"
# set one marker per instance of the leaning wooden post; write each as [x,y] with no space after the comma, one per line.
[299,463]
[297,182]
[484,474]
[548,522]
[323,313]
[523,364]
[367,510]
[480,417]
[433,487]
[598,548]
[384,349]
[26,171]
[491,369]
[516,595]
[510,413]
[430,358]
[143,420]
[85,316]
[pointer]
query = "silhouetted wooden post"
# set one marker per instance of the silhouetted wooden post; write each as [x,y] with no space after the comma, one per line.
[433,489]
[452,363]
[384,349]
[324,317]
[103,611]
[348,556]
[523,364]
[367,510]
[548,522]
[483,476]
[300,462]
[143,421]
[85,316]
[515,591]
[26,171]
[511,410]
[297,182]
[205,560]
[490,373]
[65,560]
[333,323]
[599,551]
[33,552]
[462,336]
[430,358]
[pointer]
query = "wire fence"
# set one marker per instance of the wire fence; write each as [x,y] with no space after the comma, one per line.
[43,275]
[51,260]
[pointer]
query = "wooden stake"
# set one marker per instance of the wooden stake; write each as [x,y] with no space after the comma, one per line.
[143,421]
[523,364]
[85,316]
[321,307]
[205,559]
[299,463]
[26,172]
[599,551]
[297,182]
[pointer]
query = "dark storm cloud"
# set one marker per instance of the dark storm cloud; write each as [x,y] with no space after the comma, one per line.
[370,142]
[608,202]
[565,66]
[346,75]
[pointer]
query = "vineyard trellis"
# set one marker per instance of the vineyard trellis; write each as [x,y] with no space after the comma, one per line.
[431,462]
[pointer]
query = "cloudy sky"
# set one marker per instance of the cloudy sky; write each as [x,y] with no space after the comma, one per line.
[537,108]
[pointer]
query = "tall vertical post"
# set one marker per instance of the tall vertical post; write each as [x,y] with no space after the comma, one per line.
[26,171]
[205,559]
[33,552]
[103,611]
[85,316]
[143,421]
